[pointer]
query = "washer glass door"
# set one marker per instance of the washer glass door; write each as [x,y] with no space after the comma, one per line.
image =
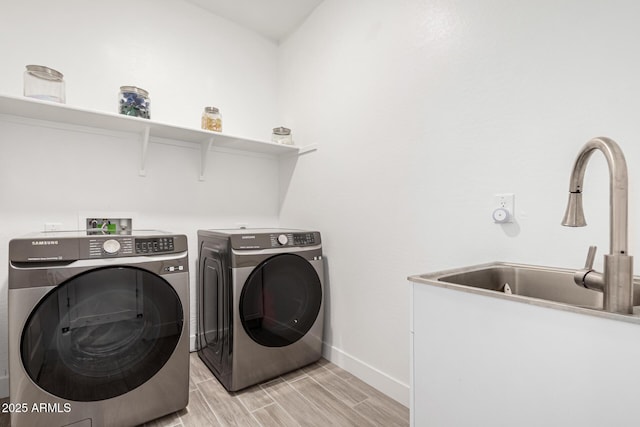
[101,333]
[280,300]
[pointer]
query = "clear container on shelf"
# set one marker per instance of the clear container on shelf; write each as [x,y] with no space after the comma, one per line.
[44,83]
[282,135]
[135,102]
[212,119]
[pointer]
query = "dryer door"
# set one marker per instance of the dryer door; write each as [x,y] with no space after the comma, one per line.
[101,333]
[280,300]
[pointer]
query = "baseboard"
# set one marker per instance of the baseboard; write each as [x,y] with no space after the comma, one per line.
[390,386]
[4,387]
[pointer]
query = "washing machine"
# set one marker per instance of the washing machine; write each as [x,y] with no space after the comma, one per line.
[98,330]
[260,296]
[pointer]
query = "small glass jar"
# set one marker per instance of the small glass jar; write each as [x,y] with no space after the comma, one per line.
[282,135]
[135,102]
[44,83]
[212,119]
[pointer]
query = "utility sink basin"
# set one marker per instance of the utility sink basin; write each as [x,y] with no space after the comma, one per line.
[471,342]
[544,283]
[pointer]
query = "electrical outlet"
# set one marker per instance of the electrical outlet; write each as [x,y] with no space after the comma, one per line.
[504,208]
[505,201]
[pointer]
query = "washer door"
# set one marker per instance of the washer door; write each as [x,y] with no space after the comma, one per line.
[280,300]
[101,333]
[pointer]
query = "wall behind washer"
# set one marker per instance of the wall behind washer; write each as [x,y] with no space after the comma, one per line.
[186,58]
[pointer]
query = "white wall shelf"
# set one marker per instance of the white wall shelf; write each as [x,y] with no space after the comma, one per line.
[64,114]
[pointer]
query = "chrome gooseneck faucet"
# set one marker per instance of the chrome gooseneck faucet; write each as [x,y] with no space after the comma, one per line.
[617,280]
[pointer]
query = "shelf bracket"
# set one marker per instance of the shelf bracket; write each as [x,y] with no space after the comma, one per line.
[308,148]
[205,146]
[144,145]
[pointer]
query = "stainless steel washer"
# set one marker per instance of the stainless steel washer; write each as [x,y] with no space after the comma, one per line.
[261,309]
[98,330]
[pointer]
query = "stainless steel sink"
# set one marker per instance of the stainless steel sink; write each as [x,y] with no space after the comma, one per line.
[545,283]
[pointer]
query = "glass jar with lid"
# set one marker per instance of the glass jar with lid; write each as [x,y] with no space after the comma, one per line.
[282,135]
[44,83]
[134,101]
[212,119]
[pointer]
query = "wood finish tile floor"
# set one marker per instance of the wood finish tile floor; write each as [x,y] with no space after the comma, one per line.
[321,394]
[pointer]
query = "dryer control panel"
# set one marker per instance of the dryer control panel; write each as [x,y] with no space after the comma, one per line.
[293,239]
[283,239]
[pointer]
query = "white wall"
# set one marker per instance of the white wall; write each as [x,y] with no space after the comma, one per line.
[422,111]
[187,58]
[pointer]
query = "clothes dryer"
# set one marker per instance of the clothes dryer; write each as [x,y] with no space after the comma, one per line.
[98,330]
[261,309]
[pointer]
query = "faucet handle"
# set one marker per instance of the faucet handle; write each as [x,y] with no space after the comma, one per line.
[591,255]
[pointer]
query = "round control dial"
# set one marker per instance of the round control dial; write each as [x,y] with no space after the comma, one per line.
[111,246]
[283,240]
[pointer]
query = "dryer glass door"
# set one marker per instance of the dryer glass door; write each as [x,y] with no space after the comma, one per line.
[101,333]
[280,300]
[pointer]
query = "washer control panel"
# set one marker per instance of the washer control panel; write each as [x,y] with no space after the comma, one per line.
[128,246]
[77,245]
[100,247]
[154,245]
